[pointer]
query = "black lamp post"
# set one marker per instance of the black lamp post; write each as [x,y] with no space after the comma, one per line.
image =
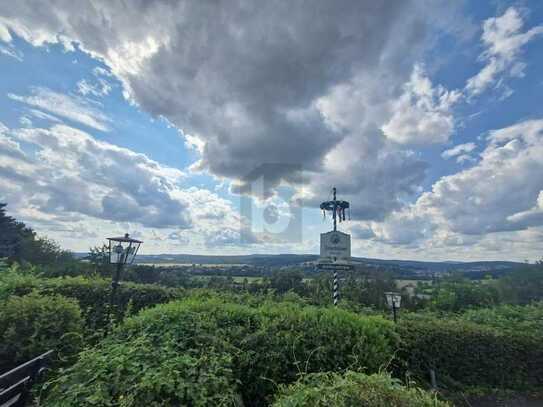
[393,301]
[122,250]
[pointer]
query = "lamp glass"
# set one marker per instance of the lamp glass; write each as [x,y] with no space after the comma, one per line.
[116,253]
[393,299]
[397,300]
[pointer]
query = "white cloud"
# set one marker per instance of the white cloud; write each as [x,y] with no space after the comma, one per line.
[71,185]
[498,198]
[11,52]
[70,107]
[5,36]
[422,115]
[503,40]
[507,180]
[25,121]
[194,143]
[98,89]
[461,152]
[43,116]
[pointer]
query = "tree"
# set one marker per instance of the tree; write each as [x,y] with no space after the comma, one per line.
[12,235]
[523,285]
[99,258]
[21,244]
[286,280]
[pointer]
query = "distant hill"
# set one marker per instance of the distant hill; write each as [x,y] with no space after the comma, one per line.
[293,259]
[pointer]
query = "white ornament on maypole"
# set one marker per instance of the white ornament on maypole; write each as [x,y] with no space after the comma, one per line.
[335,252]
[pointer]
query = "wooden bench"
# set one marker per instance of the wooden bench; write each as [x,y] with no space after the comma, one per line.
[15,385]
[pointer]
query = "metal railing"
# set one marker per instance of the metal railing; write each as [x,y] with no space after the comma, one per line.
[15,385]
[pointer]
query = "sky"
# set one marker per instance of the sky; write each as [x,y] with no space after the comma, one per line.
[220,127]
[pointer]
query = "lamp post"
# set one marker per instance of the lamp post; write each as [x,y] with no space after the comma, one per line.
[122,250]
[393,301]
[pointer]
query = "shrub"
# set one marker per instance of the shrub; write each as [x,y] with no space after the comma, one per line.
[261,345]
[527,318]
[353,389]
[466,354]
[34,324]
[146,371]
[92,294]
[292,340]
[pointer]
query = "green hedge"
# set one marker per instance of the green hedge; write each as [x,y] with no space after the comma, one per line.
[464,354]
[353,389]
[262,346]
[92,294]
[33,324]
[291,340]
[146,371]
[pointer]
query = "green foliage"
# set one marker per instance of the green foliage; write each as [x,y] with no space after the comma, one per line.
[515,318]
[92,294]
[464,354]
[263,346]
[147,371]
[523,286]
[353,389]
[3,266]
[458,294]
[20,243]
[98,257]
[34,324]
[283,281]
[292,340]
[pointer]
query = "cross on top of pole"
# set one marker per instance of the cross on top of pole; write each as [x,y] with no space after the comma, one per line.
[337,208]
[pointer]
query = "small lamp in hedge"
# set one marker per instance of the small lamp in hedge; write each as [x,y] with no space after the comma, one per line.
[122,250]
[393,302]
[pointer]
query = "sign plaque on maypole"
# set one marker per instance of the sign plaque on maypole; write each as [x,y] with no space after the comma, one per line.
[335,246]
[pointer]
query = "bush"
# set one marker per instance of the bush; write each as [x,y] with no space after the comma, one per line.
[93,295]
[34,324]
[146,371]
[261,345]
[527,318]
[465,354]
[292,340]
[353,389]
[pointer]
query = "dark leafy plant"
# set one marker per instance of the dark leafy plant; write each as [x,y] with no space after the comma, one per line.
[92,294]
[464,354]
[263,346]
[146,371]
[353,389]
[33,324]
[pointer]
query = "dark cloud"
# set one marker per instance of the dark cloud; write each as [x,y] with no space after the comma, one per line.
[246,78]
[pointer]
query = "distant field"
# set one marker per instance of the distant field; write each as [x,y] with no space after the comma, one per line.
[402,283]
[239,279]
[207,265]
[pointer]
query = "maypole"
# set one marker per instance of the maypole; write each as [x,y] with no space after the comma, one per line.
[335,246]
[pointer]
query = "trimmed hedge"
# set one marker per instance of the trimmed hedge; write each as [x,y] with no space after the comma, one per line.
[92,294]
[464,354]
[262,346]
[292,340]
[33,324]
[353,389]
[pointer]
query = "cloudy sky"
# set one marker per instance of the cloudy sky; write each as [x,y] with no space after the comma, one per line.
[219,127]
